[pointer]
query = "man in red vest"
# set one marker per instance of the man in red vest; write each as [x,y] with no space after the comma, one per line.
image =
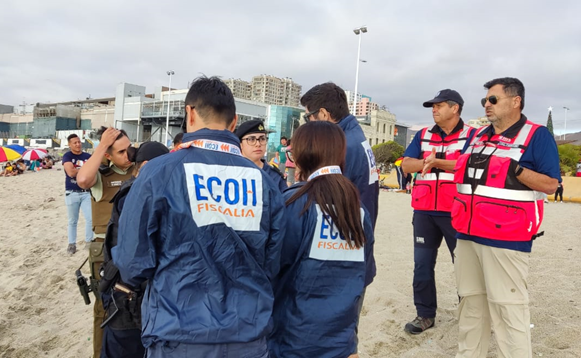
[501,180]
[432,154]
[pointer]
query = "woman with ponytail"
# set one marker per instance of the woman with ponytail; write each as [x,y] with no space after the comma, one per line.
[327,252]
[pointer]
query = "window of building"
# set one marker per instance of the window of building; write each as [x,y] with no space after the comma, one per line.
[370,141]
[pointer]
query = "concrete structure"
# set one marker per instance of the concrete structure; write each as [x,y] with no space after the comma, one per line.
[240,88]
[378,126]
[278,91]
[6,109]
[478,122]
[144,116]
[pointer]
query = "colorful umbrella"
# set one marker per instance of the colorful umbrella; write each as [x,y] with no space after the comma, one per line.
[7,154]
[34,154]
[17,148]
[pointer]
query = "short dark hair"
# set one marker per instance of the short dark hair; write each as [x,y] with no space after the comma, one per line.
[72,136]
[178,138]
[283,137]
[212,98]
[329,96]
[454,103]
[511,86]
[102,130]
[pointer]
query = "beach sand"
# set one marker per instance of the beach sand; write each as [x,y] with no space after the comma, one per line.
[43,315]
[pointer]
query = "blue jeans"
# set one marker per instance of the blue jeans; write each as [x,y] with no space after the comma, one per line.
[74,201]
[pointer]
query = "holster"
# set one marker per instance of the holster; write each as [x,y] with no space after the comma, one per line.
[128,315]
[95,260]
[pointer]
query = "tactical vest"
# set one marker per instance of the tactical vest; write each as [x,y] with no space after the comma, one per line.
[102,209]
[435,190]
[491,202]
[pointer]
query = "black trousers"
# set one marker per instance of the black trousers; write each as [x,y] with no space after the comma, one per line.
[429,231]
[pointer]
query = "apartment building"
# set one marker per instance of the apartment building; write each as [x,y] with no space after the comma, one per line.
[277,91]
[240,88]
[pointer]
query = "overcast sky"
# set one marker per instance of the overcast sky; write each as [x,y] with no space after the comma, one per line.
[63,50]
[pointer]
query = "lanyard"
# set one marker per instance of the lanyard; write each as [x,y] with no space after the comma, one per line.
[332,169]
[214,145]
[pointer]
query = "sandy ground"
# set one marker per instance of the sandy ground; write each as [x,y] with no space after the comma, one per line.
[43,315]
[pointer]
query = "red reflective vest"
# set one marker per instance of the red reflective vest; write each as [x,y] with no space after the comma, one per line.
[435,191]
[491,202]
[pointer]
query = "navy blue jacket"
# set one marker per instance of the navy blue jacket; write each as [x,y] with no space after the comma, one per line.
[205,228]
[319,285]
[360,165]
[275,175]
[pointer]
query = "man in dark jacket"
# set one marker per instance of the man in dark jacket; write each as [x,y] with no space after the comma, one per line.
[204,226]
[328,102]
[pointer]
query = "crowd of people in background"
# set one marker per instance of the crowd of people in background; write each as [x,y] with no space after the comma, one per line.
[21,166]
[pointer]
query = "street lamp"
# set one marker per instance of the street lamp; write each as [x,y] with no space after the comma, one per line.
[358,31]
[169,73]
[565,132]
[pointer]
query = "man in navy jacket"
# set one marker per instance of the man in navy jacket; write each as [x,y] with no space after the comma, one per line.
[204,227]
[328,102]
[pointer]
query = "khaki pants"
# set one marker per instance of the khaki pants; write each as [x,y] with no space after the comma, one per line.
[492,284]
[98,318]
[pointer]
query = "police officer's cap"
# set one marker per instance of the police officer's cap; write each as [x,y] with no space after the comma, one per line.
[445,95]
[248,127]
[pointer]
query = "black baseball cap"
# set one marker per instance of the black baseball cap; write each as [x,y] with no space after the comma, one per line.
[253,126]
[445,95]
[150,150]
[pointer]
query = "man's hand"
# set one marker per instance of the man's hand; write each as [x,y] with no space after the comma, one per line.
[429,162]
[109,137]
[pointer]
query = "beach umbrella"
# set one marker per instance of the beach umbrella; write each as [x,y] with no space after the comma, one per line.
[34,154]
[7,154]
[17,148]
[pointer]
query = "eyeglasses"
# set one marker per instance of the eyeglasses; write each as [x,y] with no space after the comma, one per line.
[252,140]
[492,99]
[308,115]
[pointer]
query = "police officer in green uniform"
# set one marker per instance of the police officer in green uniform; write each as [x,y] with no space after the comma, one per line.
[104,182]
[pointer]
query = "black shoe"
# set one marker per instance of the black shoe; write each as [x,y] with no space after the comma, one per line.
[419,325]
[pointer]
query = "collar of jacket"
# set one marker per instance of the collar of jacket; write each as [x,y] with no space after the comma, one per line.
[511,132]
[436,129]
[348,122]
[219,135]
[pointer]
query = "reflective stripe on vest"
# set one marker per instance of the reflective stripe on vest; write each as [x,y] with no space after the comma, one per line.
[491,203]
[436,190]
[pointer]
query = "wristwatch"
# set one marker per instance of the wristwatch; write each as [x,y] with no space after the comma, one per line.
[518,170]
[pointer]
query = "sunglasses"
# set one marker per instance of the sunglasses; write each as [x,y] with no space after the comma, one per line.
[492,99]
[252,140]
[308,115]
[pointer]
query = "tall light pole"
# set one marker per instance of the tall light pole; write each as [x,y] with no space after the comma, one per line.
[169,73]
[565,132]
[359,32]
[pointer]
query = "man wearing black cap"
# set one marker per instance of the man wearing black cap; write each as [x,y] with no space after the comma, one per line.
[252,135]
[122,331]
[432,154]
